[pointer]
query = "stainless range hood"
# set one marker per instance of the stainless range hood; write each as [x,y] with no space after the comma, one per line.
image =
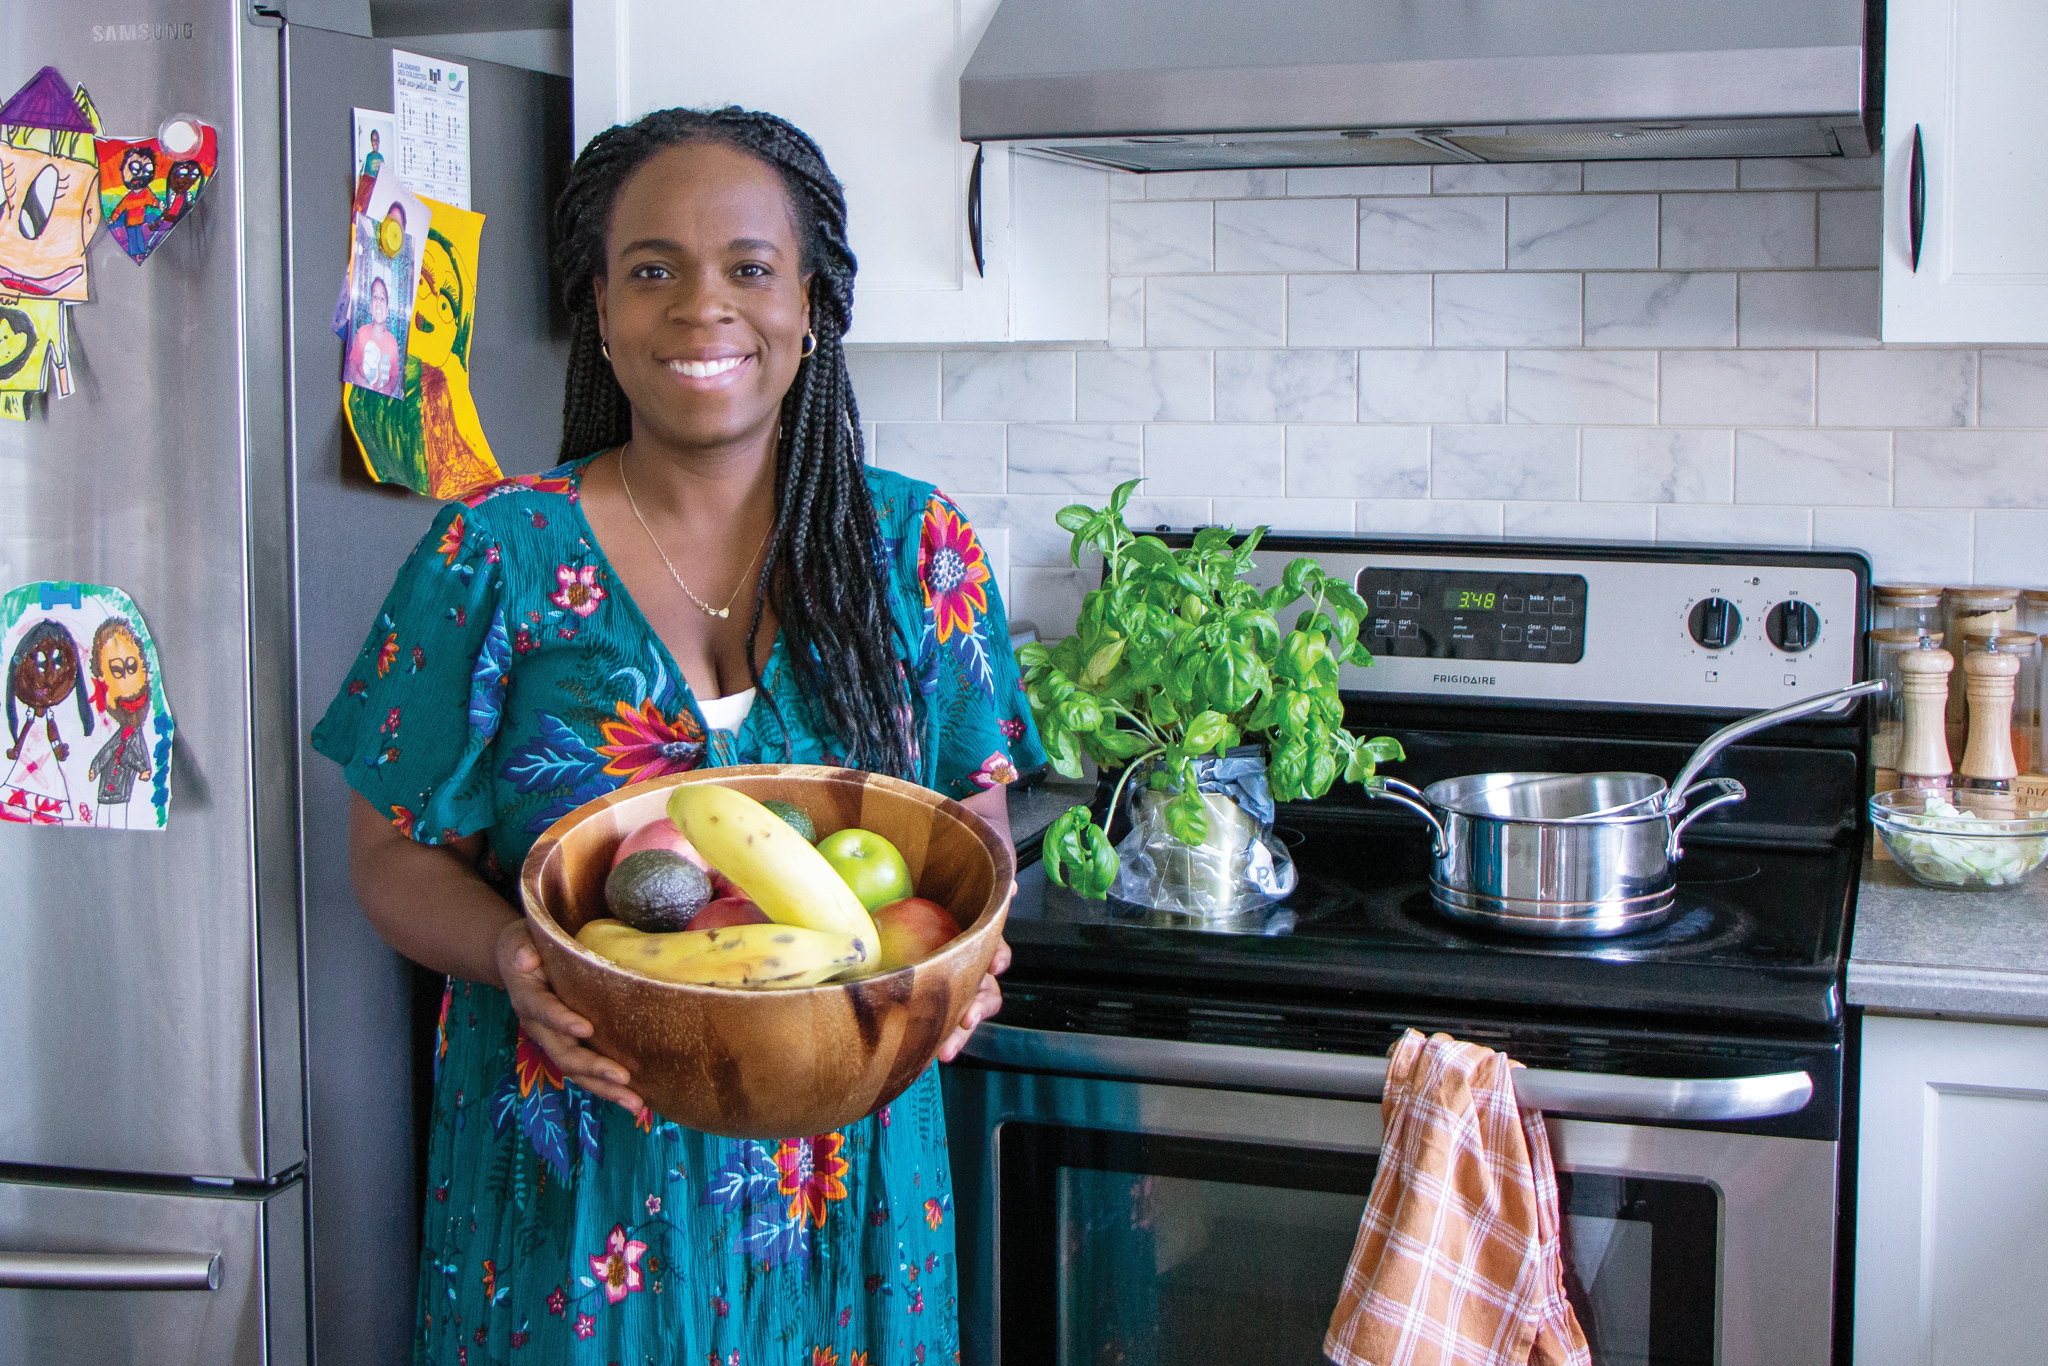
[1179,85]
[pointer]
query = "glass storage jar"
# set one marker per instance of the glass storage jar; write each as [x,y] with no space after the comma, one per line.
[1906,607]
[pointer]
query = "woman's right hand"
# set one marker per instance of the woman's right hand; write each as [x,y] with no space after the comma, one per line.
[556,1028]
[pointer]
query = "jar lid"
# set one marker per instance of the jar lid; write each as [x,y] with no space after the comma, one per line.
[1903,635]
[1897,594]
[2006,642]
[1982,596]
[2036,597]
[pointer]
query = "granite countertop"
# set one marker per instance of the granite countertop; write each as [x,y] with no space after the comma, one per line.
[1918,951]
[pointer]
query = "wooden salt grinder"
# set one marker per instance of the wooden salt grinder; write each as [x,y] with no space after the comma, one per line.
[1988,763]
[1923,741]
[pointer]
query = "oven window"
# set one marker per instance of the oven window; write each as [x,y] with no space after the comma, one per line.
[1135,1250]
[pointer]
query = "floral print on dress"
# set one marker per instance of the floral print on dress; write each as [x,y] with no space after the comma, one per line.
[577,590]
[641,743]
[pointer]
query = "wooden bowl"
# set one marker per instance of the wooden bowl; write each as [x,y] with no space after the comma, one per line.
[773,1063]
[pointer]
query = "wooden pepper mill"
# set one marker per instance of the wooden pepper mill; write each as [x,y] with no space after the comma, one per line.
[1923,740]
[1988,763]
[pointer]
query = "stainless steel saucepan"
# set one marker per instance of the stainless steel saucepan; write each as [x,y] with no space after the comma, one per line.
[1576,855]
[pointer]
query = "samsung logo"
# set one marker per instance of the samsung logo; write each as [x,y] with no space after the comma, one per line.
[1483,680]
[140,33]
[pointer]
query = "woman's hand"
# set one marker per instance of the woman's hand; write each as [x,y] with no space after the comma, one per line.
[555,1027]
[988,998]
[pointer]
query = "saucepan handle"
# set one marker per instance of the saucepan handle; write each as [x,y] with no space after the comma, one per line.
[1730,791]
[1394,790]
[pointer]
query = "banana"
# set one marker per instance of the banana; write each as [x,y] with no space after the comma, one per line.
[736,956]
[770,862]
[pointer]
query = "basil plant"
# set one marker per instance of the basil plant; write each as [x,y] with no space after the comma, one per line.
[1176,656]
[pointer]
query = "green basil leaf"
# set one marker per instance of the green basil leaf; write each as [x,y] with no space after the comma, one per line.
[1074,516]
[1032,654]
[1103,662]
[1187,817]
[1205,730]
[1120,497]
[1081,713]
[1322,773]
[1385,748]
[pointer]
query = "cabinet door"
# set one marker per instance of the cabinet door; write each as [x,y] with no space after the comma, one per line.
[1952,1194]
[1966,74]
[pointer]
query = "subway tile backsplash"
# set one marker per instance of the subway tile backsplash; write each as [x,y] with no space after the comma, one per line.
[1674,351]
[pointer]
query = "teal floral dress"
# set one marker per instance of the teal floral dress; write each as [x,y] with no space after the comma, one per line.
[509,679]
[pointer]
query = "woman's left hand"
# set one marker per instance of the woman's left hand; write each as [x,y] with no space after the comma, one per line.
[988,999]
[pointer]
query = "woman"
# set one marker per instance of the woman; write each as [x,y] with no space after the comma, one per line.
[713,577]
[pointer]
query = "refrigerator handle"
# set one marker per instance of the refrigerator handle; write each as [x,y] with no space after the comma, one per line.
[110,1270]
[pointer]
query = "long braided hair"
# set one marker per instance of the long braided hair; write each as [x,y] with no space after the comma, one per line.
[823,571]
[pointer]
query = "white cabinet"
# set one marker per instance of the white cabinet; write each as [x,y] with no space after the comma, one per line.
[876,82]
[1967,75]
[1952,1195]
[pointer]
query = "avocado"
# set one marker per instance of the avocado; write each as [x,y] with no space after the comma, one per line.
[656,891]
[793,816]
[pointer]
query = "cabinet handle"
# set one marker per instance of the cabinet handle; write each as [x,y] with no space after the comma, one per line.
[1916,198]
[974,210]
[110,1270]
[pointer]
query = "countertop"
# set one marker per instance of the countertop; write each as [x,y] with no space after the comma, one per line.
[1037,807]
[1918,951]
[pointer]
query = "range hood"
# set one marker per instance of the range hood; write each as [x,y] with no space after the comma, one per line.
[1184,85]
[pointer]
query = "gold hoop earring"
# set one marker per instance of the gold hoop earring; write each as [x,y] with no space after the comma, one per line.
[606,350]
[810,342]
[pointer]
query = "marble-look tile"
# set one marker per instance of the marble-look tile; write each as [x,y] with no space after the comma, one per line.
[1216,461]
[1358,310]
[1582,386]
[1824,173]
[1582,232]
[1971,469]
[1035,538]
[1357,462]
[1073,457]
[1127,311]
[1581,521]
[1736,388]
[1264,184]
[1656,465]
[1535,464]
[1432,234]
[1718,524]
[1158,239]
[1851,228]
[1143,386]
[1428,517]
[1660,175]
[1150,514]
[1286,514]
[1126,185]
[1009,386]
[1507,310]
[1324,181]
[1808,308]
[1535,177]
[1286,386]
[960,457]
[1647,308]
[1223,310]
[995,548]
[1049,599]
[1844,469]
[1710,230]
[1904,546]
[1286,234]
[2009,548]
[2014,389]
[894,386]
[1432,386]
[1898,388]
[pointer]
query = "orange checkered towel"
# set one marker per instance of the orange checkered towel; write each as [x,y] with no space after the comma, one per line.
[1458,1260]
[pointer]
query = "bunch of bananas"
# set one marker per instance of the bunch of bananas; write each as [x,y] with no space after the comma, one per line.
[820,930]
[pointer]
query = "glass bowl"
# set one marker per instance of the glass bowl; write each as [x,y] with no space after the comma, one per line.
[1938,845]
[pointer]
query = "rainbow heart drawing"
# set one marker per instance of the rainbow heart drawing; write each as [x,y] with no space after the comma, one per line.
[148,185]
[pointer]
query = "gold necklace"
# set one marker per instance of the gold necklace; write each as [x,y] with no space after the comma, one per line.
[706,607]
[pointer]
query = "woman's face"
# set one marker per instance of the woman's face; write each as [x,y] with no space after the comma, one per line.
[703,305]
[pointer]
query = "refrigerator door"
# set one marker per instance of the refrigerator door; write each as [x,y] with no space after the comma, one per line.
[121,1276]
[134,980]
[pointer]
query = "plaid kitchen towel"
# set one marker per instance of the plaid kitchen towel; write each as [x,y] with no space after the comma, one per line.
[1458,1260]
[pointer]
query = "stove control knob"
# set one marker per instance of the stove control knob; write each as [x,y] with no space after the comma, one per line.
[1792,627]
[1714,623]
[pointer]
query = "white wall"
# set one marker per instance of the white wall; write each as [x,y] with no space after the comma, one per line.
[1678,351]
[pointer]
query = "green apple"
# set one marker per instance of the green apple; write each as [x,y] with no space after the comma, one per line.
[869,864]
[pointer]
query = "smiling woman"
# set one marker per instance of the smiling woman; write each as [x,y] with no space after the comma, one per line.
[557,636]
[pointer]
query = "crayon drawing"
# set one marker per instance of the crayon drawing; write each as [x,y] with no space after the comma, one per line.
[148,185]
[49,189]
[88,730]
[31,352]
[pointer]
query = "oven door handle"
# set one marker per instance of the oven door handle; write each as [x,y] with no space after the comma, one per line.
[1597,1094]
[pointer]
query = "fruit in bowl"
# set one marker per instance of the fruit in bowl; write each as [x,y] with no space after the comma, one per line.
[748,1062]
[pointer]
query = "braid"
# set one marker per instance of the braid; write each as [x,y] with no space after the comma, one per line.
[824,571]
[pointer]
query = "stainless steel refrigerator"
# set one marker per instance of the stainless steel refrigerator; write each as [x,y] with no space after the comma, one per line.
[207,1139]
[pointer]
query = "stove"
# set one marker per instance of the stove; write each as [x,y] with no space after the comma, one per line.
[1693,1072]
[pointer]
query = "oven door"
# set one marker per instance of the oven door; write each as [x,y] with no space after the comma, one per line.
[1120,1221]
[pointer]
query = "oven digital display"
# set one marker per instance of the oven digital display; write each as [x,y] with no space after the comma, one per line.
[1463,614]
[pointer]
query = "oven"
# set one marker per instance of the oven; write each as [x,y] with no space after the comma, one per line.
[1164,1143]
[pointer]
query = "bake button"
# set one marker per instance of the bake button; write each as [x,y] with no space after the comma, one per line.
[1539,606]
[1511,634]
[1510,603]
[1560,635]
[1410,598]
[1406,629]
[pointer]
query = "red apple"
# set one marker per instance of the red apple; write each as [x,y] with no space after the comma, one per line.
[911,930]
[728,911]
[661,833]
